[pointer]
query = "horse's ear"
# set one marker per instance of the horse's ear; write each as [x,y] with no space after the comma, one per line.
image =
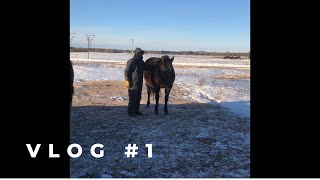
[162,58]
[172,58]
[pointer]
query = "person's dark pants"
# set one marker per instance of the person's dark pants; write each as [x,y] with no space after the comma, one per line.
[134,100]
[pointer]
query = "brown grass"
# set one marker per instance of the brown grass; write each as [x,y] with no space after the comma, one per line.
[202,82]
[88,93]
[233,76]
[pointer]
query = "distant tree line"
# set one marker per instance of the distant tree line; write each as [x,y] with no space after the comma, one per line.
[73,49]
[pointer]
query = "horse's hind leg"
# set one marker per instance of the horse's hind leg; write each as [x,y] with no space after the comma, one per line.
[149,91]
[157,91]
[166,98]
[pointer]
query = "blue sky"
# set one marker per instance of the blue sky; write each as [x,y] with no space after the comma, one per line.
[178,25]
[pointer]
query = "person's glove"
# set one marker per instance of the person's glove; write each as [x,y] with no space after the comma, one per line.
[126,83]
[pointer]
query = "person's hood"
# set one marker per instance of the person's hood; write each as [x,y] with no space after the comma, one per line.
[138,50]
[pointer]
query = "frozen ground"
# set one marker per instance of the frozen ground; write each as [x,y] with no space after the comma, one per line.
[205,135]
[195,140]
[179,58]
[208,79]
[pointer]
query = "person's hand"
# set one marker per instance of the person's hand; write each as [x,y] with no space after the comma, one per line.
[126,83]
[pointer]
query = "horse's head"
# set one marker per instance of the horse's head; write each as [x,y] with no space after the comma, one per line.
[166,64]
[167,73]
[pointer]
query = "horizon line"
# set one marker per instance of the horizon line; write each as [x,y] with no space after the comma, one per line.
[164,50]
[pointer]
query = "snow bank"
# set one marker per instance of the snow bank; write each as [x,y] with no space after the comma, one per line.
[181,60]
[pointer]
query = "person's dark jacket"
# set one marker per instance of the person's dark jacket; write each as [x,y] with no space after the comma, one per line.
[134,72]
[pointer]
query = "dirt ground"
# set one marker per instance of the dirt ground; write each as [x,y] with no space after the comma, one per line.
[194,140]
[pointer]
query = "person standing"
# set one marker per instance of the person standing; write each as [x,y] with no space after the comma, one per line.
[134,80]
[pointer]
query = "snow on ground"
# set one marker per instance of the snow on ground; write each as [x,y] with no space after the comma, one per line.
[196,140]
[207,79]
[96,71]
[122,58]
[230,89]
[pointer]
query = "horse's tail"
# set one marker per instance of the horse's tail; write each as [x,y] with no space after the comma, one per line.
[153,92]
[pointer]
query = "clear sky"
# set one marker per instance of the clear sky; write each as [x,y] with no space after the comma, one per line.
[177,25]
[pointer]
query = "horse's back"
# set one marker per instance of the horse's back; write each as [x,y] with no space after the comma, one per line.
[153,60]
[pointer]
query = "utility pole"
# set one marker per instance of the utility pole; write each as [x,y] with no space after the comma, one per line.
[89,38]
[72,35]
[131,45]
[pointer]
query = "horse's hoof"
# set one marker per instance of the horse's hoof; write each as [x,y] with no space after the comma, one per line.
[166,113]
[156,113]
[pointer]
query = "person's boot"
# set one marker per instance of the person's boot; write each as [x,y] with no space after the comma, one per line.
[139,113]
[132,114]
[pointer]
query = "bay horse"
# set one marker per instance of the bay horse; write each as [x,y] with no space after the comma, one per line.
[162,75]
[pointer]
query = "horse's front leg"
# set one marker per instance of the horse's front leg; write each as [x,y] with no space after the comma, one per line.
[166,98]
[157,91]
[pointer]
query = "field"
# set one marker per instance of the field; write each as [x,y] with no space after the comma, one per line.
[206,134]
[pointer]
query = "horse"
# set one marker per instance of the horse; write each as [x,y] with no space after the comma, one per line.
[162,75]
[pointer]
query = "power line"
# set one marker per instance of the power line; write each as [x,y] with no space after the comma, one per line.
[72,36]
[89,38]
[131,45]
